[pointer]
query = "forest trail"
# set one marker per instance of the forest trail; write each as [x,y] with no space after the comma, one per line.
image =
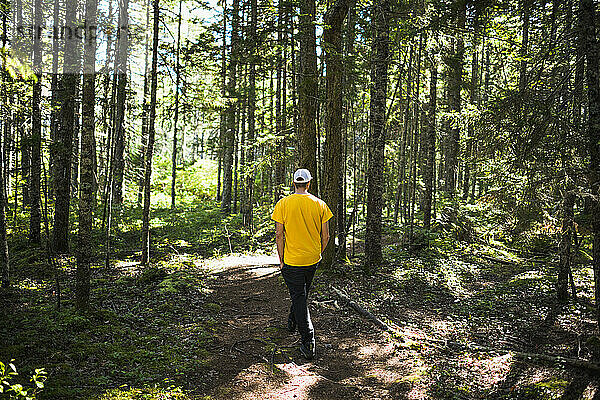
[255,357]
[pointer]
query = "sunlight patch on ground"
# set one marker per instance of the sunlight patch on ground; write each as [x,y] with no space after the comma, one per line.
[257,382]
[29,284]
[299,384]
[533,274]
[589,392]
[127,267]
[453,273]
[485,371]
[368,351]
[442,327]
[220,264]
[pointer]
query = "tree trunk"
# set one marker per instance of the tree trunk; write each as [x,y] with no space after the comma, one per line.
[401,185]
[308,91]
[35,216]
[230,133]
[473,95]
[250,168]
[76,143]
[415,141]
[88,148]
[376,140]
[347,113]
[55,97]
[525,13]
[430,147]
[223,113]
[151,134]
[22,135]
[454,100]
[63,143]
[238,122]
[107,111]
[25,148]
[144,138]
[580,45]
[119,113]
[279,103]
[566,240]
[4,260]
[332,44]
[176,116]
[592,52]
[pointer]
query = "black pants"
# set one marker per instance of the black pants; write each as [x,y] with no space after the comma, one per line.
[298,281]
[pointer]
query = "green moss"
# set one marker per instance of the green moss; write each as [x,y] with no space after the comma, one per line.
[552,384]
[213,307]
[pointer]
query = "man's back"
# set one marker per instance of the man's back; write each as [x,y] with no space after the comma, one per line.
[302,216]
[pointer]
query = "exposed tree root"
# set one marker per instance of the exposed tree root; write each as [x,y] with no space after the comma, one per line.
[531,357]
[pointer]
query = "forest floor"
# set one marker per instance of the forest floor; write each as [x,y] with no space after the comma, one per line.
[208,321]
[259,359]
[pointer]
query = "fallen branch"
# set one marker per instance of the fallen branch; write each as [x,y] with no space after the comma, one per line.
[574,362]
[379,323]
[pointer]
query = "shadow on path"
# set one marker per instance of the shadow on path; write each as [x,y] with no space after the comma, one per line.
[255,357]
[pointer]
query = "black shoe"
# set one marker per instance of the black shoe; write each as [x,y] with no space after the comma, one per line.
[308,350]
[291,323]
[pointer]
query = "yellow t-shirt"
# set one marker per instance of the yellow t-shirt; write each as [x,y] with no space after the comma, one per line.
[302,216]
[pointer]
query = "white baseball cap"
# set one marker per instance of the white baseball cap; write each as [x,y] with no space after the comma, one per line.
[302,176]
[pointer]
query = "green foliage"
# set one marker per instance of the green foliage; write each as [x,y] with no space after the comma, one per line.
[16,391]
[155,393]
[194,183]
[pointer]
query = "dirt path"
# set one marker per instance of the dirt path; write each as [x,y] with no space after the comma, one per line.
[255,357]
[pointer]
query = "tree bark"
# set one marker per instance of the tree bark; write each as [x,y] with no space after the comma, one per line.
[401,185]
[223,113]
[119,113]
[566,241]
[415,141]
[430,147]
[525,14]
[248,205]
[307,91]
[376,139]
[280,103]
[151,134]
[474,93]
[144,138]
[332,45]
[63,142]
[4,259]
[230,133]
[35,199]
[176,116]
[55,96]
[454,100]
[592,52]
[578,33]
[88,149]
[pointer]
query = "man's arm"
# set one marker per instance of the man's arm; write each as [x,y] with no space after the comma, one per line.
[280,240]
[324,235]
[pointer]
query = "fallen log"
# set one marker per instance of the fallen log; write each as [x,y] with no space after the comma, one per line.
[396,331]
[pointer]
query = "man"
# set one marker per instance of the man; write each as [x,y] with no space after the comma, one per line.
[301,233]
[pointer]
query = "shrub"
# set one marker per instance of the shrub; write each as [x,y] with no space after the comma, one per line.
[16,391]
